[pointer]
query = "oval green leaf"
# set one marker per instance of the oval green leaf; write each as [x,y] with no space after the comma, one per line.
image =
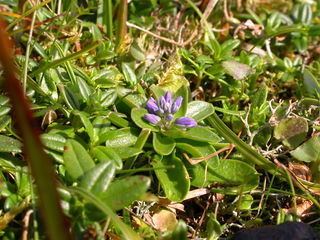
[202,134]
[173,176]
[8,144]
[97,179]
[163,145]
[107,154]
[53,141]
[122,193]
[237,174]
[127,152]
[199,110]
[124,137]
[76,159]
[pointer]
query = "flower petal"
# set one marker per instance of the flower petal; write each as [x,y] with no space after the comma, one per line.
[168,97]
[185,122]
[164,105]
[176,105]
[152,118]
[152,106]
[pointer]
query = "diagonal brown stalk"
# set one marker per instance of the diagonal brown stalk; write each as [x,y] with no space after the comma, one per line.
[39,163]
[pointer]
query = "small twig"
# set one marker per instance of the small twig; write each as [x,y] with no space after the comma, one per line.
[209,9]
[6,218]
[262,197]
[26,221]
[201,220]
[194,161]
[154,35]
[180,44]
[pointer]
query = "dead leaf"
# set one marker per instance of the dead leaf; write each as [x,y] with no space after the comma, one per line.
[303,207]
[300,170]
[164,220]
[197,193]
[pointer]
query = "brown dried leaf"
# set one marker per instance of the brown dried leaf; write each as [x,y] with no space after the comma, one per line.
[164,220]
[303,207]
[300,170]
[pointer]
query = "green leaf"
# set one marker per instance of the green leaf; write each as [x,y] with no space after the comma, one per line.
[291,131]
[53,141]
[199,110]
[98,178]
[100,125]
[308,151]
[124,137]
[86,123]
[122,193]
[4,121]
[237,174]
[137,52]
[71,100]
[157,91]
[117,120]
[245,202]
[76,159]
[8,144]
[130,98]
[202,134]
[107,154]
[129,74]
[173,176]
[214,229]
[183,91]
[180,232]
[65,59]
[84,89]
[163,145]
[127,152]
[311,84]
[137,117]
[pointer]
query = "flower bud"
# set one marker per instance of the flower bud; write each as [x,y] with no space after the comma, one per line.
[152,106]
[152,118]
[185,122]
[176,105]
[168,97]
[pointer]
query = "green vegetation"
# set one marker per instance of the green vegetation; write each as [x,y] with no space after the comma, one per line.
[158,119]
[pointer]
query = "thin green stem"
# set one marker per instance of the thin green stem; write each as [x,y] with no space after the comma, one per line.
[26,62]
[65,59]
[27,13]
[108,18]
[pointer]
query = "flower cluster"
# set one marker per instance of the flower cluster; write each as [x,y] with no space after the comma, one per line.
[162,112]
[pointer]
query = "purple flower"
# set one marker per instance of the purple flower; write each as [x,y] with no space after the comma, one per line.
[152,106]
[176,104]
[162,112]
[168,97]
[152,118]
[185,122]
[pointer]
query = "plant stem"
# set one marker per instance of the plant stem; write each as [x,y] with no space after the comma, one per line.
[26,62]
[122,20]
